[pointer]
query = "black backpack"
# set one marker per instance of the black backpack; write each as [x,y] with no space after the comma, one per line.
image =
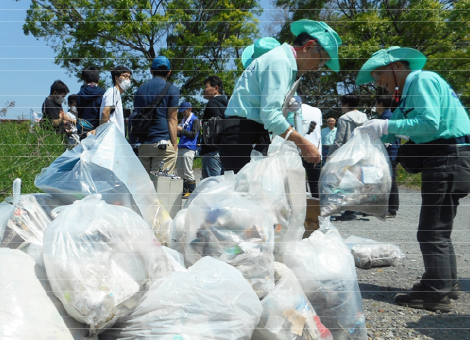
[140,125]
[212,128]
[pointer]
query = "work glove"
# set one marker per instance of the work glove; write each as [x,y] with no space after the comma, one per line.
[294,104]
[375,127]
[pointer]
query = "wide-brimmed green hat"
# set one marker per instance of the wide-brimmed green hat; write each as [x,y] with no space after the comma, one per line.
[326,36]
[385,57]
[260,47]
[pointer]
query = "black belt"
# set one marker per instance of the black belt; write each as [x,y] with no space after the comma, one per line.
[450,141]
[450,149]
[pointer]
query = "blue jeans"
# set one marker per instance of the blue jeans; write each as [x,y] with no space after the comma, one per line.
[445,179]
[211,165]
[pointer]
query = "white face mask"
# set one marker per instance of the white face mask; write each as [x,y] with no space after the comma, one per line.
[73,109]
[59,100]
[125,84]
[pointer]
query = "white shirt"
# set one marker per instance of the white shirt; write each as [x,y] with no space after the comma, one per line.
[112,98]
[310,113]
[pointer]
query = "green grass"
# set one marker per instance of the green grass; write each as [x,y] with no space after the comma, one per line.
[412,181]
[24,152]
[197,163]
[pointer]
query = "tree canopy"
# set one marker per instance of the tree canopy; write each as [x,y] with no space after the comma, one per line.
[200,37]
[439,29]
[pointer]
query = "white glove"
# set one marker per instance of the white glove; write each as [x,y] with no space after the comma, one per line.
[294,104]
[376,127]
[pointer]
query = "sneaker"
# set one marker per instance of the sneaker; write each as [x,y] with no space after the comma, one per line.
[454,294]
[186,194]
[423,300]
[391,215]
[346,217]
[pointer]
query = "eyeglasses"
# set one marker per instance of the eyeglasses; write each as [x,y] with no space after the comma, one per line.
[377,73]
[125,76]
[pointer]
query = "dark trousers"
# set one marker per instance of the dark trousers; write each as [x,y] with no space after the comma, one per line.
[237,140]
[394,200]
[313,174]
[445,179]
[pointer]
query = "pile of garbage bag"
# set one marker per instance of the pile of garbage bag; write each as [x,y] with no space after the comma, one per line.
[369,253]
[211,300]
[100,259]
[222,224]
[287,313]
[276,183]
[357,177]
[106,164]
[325,268]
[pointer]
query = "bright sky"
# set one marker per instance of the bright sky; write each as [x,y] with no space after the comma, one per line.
[27,65]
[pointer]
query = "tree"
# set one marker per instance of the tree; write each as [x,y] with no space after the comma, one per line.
[200,37]
[439,29]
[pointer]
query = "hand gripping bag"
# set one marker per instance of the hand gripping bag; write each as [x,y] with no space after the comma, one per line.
[222,224]
[276,183]
[324,266]
[211,300]
[357,177]
[26,312]
[100,259]
[287,314]
[106,164]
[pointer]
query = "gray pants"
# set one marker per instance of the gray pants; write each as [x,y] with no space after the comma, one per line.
[151,157]
[184,164]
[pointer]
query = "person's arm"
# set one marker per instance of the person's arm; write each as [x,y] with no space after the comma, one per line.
[309,151]
[173,126]
[194,131]
[105,115]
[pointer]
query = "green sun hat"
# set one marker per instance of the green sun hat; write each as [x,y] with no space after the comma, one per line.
[326,36]
[247,55]
[387,56]
[260,47]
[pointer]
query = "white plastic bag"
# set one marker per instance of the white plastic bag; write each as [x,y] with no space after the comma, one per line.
[25,225]
[324,266]
[211,300]
[222,224]
[287,314]
[107,165]
[357,177]
[25,310]
[277,184]
[369,253]
[100,259]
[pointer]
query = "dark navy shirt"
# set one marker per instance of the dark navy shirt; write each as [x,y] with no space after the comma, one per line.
[392,149]
[145,95]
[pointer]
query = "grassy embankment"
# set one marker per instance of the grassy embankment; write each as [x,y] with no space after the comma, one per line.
[24,152]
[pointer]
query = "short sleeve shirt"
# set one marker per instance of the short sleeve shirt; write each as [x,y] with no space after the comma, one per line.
[51,110]
[112,98]
[145,95]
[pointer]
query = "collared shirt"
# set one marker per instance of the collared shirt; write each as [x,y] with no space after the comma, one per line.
[429,110]
[260,92]
[328,136]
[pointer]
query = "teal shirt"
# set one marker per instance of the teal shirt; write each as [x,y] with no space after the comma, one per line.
[429,110]
[260,92]
[328,136]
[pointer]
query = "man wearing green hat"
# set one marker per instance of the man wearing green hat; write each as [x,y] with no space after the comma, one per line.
[255,108]
[431,115]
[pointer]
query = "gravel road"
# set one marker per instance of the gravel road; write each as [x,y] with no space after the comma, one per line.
[386,320]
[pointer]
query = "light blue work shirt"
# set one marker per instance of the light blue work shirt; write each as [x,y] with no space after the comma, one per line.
[429,110]
[260,92]
[328,136]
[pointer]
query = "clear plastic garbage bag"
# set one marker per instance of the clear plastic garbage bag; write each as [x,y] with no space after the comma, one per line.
[287,314]
[369,253]
[276,183]
[211,300]
[26,312]
[357,177]
[106,164]
[222,224]
[324,266]
[100,259]
[26,224]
